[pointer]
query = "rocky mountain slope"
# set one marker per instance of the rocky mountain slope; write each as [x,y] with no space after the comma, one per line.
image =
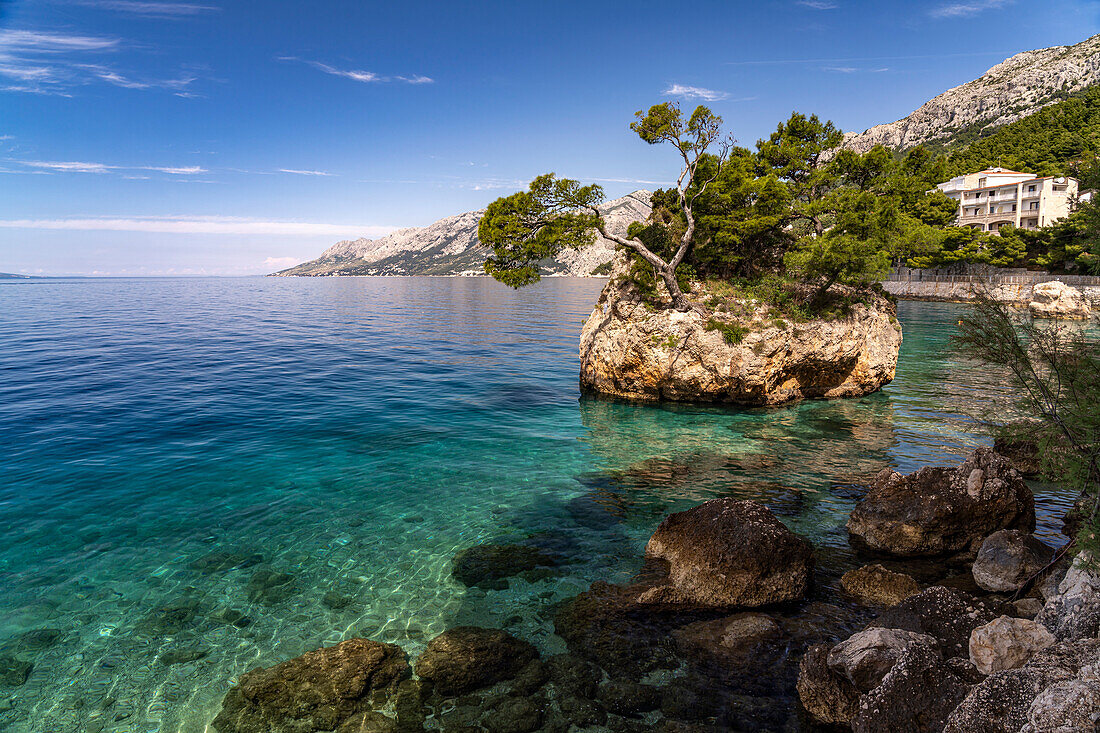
[1011,90]
[450,247]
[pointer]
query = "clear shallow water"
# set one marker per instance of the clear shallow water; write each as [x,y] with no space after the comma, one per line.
[165,440]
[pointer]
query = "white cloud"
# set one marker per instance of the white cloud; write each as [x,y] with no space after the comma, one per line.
[304,173]
[854,69]
[152,9]
[280,263]
[966,8]
[34,41]
[81,167]
[201,225]
[189,170]
[358,74]
[818,4]
[710,95]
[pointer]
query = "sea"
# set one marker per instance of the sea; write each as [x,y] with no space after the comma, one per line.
[167,446]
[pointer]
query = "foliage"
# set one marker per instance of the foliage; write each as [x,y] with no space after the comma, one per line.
[732,333]
[1046,143]
[534,225]
[1056,370]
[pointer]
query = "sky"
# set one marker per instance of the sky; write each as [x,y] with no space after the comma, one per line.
[222,137]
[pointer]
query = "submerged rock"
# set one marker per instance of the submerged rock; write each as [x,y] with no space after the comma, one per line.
[876,585]
[14,672]
[1007,643]
[938,511]
[730,553]
[632,350]
[1057,300]
[322,690]
[467,658]
[1008,559]
[270,587]
[483,565]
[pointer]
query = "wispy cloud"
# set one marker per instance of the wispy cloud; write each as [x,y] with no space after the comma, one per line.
[103,73]
[12,41]
[201,225]
[150,9]
[82,167]
[359,74]
[817,4]
[279,263]
[967,8]
[304,173]
[710,95]
[854,69]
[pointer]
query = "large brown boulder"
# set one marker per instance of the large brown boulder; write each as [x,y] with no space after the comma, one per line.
[318,691]
[1008,559]
[730,553]
[939,511]
[879,586]
[729,348]
[467,658]
[828,697]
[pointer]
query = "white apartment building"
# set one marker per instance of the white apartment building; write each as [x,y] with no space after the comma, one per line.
[993,198]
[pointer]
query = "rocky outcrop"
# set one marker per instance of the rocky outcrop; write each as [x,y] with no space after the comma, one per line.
[1011,90]
[938,511]
[828,697]
[1007,643]
[450,247]
[1057,300]
[467,658]
[1008,559]
[876,585]
[318,691]
[632,350]
[1074,612]
[865,658]
[729,553]
[949,616]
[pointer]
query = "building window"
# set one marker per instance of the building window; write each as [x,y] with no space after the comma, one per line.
[1013,207]
[981,183]
[1031,189]
[1034,205]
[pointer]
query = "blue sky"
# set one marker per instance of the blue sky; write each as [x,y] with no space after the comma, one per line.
[220,137]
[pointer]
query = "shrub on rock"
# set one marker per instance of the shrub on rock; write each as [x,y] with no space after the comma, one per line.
[730,553]
[467,658]
[318,691]
[939,511]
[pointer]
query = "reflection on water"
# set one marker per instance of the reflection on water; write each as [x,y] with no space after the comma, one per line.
[203,476]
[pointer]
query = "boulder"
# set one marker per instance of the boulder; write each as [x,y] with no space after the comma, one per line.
[1024,454]
[14,672]
[638,350]
[741,650]
[1028,608]
[1065,707]
[1057,300]
[269,587]
[1074,613]
[949,616]
[318,691]
[1007,643]
[730,553]
[878,586]
[483,565]
[939,511]
[829,698]
[1008,559]
[467,658]
[918,694]
[1002,702]
[866,657]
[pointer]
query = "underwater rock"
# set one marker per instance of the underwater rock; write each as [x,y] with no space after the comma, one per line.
[634,350]
[485,565]
[182,656]
[628,698]
[230,617]
[528,680]
[947,615]
[336,601]
[514,715]
[1024,454]
[574,675]
[38,640]
[740,650]
[938,511]
[270,587]
[169,619]
[14,672]
[1008,559]
[321,690]
[467,658]
[1007,643]
[730,553]
[598,509]
[876,585]
[220,561]
[827,697]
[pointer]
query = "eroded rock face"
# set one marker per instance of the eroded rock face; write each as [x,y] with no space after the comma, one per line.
[1007,643]
[467,658]
[1009,558]
[1065,707]
[634,351]
[1058,300]
[876,585]
[730,553]
[938,511]
[1074,613]
[318,691]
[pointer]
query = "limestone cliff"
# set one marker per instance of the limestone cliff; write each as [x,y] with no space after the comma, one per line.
[1011,90]
[632,350]
[450,247]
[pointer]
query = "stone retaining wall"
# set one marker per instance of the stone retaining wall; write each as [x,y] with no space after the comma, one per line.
[1010,286]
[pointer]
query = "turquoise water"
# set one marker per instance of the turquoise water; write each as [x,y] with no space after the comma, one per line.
[165,440]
